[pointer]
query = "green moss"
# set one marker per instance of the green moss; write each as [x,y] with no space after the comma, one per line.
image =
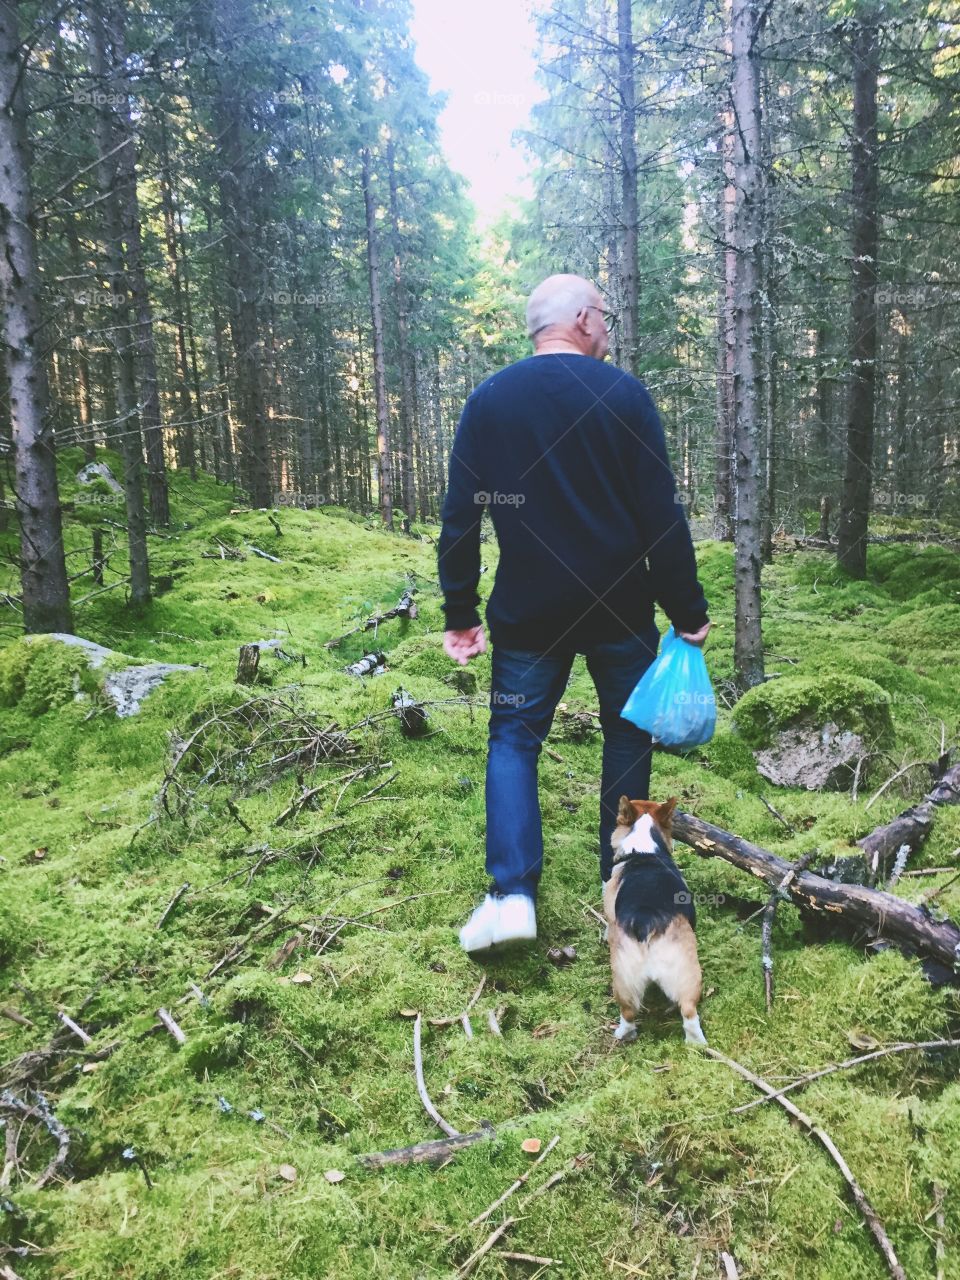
[15,662]
[849,701]
[58,674]
[328,1063]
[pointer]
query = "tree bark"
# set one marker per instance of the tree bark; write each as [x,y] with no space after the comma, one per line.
[43,575]
[144,345]
[629,275]
[376,321]
[748,527]
[407,406]
[237,202]
[131,444]
[855,503]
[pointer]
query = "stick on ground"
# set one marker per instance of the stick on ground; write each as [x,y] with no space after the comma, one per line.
[430,1109]
[843,1066]
[863,1204]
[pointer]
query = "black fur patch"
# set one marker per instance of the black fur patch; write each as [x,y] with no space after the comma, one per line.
[652,893]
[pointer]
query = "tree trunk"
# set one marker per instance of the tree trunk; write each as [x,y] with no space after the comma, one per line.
[629,274]
[43,575]
[407,406]
[237,208]
[145,357]
[748,639]
[855,503]
[186,453]
[131,444]
[379,371]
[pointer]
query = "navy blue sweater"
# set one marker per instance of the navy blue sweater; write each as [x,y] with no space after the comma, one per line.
[569,455]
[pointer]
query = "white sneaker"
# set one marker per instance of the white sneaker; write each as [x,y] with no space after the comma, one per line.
[498,921]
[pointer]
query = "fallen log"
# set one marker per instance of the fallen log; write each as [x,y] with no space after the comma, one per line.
[368,665]
[882,846]
[880,915]
[406,607]
[422,1152]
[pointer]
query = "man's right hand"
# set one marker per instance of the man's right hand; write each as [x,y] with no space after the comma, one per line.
[696,637]
[461,646]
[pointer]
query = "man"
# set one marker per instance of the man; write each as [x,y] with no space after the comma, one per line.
[569,455]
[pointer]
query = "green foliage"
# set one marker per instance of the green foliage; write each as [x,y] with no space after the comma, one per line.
[327,1063]
[849,701]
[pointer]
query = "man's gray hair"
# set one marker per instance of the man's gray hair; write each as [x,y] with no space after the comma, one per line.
[558,300]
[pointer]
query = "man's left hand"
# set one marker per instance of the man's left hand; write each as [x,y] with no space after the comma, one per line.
[696,637]
[461,646]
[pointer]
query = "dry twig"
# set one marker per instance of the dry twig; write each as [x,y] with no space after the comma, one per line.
[863,1204]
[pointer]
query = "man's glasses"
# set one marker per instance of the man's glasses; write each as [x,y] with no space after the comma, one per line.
[609,318]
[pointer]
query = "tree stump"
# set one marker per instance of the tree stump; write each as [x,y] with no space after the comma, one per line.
[248,664]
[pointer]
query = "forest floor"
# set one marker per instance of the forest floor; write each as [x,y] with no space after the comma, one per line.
[284,1080]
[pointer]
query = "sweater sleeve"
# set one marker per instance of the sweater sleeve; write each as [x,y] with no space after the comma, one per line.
[668,545]
[458,552]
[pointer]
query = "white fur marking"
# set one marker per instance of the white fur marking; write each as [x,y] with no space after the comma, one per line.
[639,838]
[626,1030]
[693,1031]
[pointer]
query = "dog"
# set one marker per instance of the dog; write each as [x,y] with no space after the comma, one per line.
[650,918]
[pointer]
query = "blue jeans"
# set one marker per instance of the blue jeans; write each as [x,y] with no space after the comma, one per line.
[524,693]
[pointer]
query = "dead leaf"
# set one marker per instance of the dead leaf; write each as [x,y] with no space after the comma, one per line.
[546,1029]
[334,1175]
[861,1041]
[531,1146]
[287,1172]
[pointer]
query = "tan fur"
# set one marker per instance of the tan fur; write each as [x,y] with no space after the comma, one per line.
[670,958]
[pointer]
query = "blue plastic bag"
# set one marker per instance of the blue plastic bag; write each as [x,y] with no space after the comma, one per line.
[674,700]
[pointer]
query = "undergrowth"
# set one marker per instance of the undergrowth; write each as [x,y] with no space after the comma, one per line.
[280,1077]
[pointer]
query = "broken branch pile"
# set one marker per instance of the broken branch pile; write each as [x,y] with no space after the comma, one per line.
[862,909]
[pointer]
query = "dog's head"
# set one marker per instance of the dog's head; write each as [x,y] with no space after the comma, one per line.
[630,811]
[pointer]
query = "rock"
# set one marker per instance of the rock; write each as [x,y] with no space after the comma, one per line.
[126,688]
[805,756]
[94,471]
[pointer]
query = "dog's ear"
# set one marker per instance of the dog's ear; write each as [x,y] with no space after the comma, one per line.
[666,811]
[625,814]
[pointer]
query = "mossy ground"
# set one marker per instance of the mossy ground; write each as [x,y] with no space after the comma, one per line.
[667,1174]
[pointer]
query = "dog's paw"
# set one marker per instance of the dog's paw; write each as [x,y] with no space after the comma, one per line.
[693,1032]
[626,1031]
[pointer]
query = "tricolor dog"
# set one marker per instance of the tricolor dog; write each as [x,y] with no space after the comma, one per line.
[650,918]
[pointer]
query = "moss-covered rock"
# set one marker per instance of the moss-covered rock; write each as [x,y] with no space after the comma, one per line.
[38,674]
[848,701]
